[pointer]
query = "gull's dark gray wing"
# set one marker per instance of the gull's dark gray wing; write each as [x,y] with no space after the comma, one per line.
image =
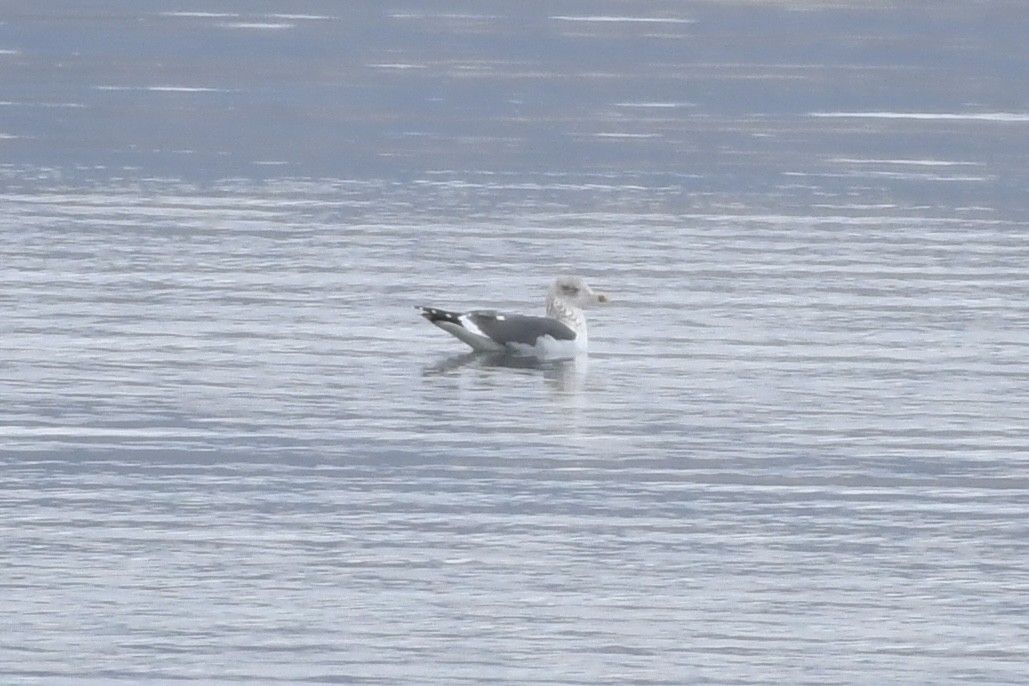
[519,328]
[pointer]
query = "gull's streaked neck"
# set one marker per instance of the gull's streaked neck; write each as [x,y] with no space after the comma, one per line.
[564,310]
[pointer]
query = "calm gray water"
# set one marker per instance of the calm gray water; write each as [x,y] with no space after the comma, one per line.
[230,450]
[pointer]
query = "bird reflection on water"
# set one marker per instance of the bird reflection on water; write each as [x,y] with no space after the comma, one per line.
[566,376]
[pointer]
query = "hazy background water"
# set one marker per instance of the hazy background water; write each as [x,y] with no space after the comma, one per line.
[231,451]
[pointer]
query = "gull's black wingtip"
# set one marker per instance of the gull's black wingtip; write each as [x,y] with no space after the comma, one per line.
[435,315]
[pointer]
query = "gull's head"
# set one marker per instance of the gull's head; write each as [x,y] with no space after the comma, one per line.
[575,290]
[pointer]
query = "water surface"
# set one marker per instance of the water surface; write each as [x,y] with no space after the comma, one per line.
[232,451]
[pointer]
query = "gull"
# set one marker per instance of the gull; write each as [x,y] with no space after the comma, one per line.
[559,335]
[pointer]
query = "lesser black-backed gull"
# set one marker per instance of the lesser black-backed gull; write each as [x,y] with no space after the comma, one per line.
[560,334]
